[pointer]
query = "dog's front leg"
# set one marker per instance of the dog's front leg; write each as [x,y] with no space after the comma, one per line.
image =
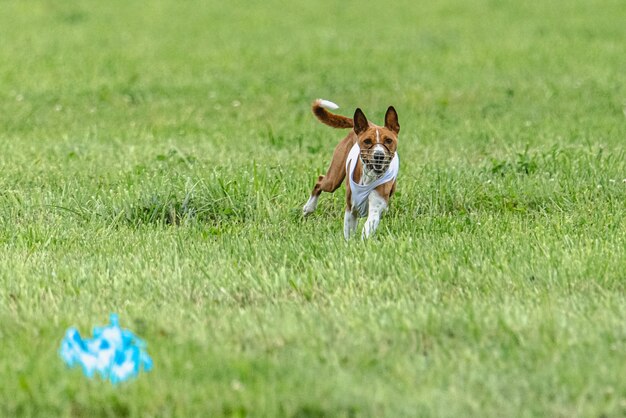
[349,224]
[377,205]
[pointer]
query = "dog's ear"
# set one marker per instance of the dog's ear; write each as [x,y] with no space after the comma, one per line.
[360,121]
[391,120]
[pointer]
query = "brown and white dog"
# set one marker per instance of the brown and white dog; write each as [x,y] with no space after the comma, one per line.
[368,158]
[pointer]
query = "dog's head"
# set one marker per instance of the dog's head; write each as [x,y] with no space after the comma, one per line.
[378,144]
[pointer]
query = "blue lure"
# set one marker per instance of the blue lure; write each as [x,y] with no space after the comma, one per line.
[115,353]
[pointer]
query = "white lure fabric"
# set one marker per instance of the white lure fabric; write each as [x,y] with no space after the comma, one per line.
[361,192]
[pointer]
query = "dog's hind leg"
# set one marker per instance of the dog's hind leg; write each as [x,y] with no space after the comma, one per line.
[334,176]
[328,183]
[311,204]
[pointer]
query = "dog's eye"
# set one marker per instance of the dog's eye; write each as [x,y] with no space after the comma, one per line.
[368,141]
[388,141]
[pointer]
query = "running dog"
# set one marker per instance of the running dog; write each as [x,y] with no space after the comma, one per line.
[368,158]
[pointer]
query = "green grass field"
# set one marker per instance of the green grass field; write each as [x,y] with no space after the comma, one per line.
[155,157]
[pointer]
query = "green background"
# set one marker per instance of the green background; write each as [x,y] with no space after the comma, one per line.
[155,157]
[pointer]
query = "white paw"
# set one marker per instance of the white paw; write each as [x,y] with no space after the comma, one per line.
[310,206]
[377,205]
[349,224]
[369,229]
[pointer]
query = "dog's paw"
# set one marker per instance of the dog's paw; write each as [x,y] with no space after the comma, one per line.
[310,206]
[307,210]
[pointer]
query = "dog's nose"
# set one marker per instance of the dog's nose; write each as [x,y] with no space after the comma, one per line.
[378,156]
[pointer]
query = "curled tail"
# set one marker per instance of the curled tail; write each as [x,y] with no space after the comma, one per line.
[336,121]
